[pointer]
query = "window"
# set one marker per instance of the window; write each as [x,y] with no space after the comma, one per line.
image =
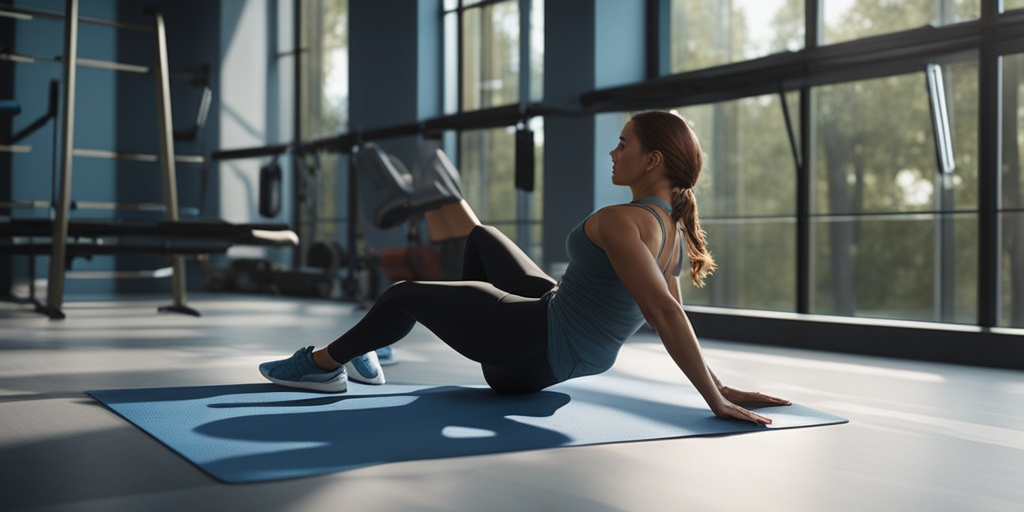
[490,56]
[845,20]
[490,63]
[487,165]
[709,33]
[1011,211]
[323,97]
[747,200]
[485,67]
[325,68]
[892,236]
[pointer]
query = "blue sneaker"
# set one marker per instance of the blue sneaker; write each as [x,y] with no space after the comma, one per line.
[299,371]
[365,369]
[386,356]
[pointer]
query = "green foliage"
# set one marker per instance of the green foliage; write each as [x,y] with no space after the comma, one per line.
[874,153]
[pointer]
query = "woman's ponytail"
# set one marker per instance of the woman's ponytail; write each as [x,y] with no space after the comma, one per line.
[671,134]
[684,213]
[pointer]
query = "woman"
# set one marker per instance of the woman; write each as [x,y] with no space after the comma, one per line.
[529,332]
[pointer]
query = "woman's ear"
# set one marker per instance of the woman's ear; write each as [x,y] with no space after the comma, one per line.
[654,159]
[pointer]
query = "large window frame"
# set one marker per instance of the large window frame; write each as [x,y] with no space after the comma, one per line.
[989,37]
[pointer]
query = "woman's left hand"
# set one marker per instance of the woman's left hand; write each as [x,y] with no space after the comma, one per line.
[737,396]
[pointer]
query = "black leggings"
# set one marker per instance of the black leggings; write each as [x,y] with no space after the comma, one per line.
[496,316]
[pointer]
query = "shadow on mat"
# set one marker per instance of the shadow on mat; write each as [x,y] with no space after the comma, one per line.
[359,430]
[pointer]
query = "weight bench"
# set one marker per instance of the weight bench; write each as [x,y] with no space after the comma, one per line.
[93,237]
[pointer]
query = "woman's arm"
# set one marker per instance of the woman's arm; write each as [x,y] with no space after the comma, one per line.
[618,232]
[733,395]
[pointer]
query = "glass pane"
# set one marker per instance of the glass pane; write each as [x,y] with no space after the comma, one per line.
[748,160]
[537,51]
[325,74]
[1012,270]
[749,172]
[451,63]
[961,84]
[490,72]
[1012,4]
[845,20]
[756,266]
[875,147]
[487,163]
[1012,186]
[1013,132]
[711,32]
[896,267]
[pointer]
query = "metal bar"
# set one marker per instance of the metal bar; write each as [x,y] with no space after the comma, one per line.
[25,204]
[654,51]
[166,136]
[86,205]
[15,15]
[480,119]
[234,154]
[136,157]
[989,162]
[940,119]
[55,284]
[77,249]
[15,149]
[818,65]
[803,204]
[12,11]
[89,63]
[297,117]
[122,274]
[789,131]
[114,66]
[135,207]
[24,59]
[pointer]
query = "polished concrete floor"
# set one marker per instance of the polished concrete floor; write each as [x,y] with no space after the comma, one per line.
[921,437]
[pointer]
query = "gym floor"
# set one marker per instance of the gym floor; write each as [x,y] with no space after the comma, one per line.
[921,437]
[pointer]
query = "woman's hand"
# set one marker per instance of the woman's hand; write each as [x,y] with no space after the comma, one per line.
[731,397]
[727,409]
[737,396]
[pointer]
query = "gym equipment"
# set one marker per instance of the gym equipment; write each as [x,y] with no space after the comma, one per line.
[396,194]
[69,238]
[393,196]
[270,190]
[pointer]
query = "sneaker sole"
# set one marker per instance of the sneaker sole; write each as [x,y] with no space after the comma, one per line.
[339,386]
[353,374]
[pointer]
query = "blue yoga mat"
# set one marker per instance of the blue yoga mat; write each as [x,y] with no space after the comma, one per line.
[259,432]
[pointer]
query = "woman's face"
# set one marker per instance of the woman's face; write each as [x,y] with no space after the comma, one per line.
[629,159]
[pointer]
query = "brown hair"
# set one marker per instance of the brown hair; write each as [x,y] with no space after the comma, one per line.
[672,136]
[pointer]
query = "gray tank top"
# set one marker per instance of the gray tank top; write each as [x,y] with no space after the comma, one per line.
[592,313]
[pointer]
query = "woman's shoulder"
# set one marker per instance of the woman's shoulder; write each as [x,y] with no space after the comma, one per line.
[616,214]
[612,221]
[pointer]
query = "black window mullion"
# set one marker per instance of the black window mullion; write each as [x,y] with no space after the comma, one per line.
[989,154]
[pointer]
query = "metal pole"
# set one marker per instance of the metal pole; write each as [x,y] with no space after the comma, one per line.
[298,88]
[167,165]
[55,283]
[989,156]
